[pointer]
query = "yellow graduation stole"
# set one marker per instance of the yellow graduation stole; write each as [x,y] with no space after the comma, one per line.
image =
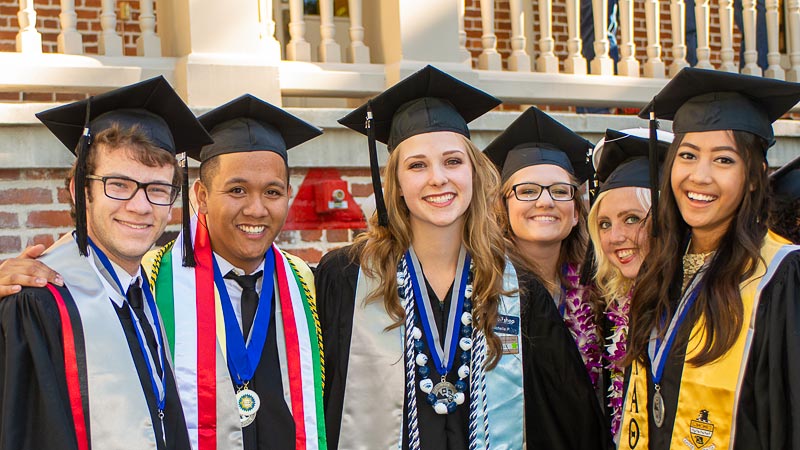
[709,394]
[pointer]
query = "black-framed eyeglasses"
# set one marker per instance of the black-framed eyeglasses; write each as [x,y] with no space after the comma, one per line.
[529,192]
[121,188]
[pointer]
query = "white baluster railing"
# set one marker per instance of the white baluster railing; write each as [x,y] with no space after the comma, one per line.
[298,49]
[677,10]
[148,43]
[519,61]
[702,11]
[774,69]
[654,66]
[793,23]
[28,39]
[358,51]
[547,61]
[575,62]
[267,33]
[726,53]
[489,58]
[69,41]
[749,38]
[464,54]
[602,64]
[109,42]
[628,64]
[329,50]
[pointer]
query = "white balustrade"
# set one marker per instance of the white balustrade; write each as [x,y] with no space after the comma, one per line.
[628,64]
[602,64]
[267,25]
[793,29]
[774,69]
[749,38]
[28,39]
[69,41]
[298,49]
[109,42]
[726,53]
[463,53]
[677,10]
[519,61]
[654,66]
[148,43]
[702,15]
[575,62]
[358,51]
[547,61]
[329,50]
[489,58]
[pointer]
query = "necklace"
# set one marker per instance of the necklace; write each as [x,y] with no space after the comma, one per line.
[580,321]
[617,313]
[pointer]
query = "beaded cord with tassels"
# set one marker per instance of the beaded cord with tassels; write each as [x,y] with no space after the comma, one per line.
[405,290]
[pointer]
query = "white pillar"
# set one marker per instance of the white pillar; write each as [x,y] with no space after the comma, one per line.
[329,50]
[654,66]
[726,36]
[519,61]
[148,43]
[69,40]
[793,25]
[547,61]
[575,62]
[628,64]
[749,38]
[109,42]
[677,9]
[358,51]
[463,53]
[774,69]
[28,39]
[298,49]
[602,64]
[489,58]
[703,22]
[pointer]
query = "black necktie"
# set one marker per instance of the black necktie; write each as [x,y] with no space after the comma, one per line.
[249,298]
[136,300]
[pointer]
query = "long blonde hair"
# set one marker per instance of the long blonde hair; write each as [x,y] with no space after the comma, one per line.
[379,250]
[609,281]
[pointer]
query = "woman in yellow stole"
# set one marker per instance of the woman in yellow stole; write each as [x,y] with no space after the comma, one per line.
[714,341]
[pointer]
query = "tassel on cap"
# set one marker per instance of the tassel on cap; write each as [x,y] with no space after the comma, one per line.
[82,151]
[188,249]
[380,203]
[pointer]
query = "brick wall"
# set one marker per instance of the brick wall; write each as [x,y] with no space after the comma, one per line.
[35,209]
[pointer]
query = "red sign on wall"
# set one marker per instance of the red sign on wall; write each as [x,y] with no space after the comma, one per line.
[324,202]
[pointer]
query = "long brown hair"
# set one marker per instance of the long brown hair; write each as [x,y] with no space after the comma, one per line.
[379,250]
[719,301]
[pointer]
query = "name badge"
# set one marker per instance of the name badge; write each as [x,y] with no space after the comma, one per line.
[507,325]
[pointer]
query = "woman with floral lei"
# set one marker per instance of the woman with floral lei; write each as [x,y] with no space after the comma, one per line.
[420,317]
[544,220]
[620,233]
[714,341]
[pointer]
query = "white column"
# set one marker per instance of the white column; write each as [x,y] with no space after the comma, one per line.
[703,23]
[774,69]
[519,61]
[463,53]
[793,23]
[726,36]
[329,50]
[109,42]
[69,40]
[298,49]
[547,61]
[749,38]
[602,64]
[628,64]
[148,43]
[358,51]
[28,39]
[267,29]
[575,62]
[489,58]
[677,9]
[654,66]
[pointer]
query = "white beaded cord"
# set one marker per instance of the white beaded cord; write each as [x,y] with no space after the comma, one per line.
[404,290]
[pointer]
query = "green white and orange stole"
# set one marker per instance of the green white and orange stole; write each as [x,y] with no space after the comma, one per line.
[709,394]
[190,306]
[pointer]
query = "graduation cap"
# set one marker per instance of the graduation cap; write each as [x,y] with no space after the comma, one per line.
[151,105]
[535,138]
[621,158]
[786,180]
[427,101]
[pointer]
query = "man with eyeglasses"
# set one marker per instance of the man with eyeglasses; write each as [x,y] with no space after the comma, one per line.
[85,364]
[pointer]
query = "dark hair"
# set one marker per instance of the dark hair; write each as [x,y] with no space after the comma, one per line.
[784,217]
[210,167]
[719,301]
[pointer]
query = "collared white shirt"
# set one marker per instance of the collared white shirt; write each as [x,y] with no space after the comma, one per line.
[234,290]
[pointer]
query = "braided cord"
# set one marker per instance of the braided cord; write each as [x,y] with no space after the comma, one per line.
[481,375]
[404,290]
[477,391]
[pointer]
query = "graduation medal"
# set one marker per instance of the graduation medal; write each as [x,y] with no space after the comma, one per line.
[658,407]
[248,403]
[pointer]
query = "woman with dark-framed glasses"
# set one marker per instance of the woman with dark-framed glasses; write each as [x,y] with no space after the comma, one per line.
[543,217]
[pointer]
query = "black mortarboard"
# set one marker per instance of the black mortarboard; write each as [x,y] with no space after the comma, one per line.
[427,101]
[621,158]
[786,180]
[151,105]
[535,138]
[248,124]
[710,100]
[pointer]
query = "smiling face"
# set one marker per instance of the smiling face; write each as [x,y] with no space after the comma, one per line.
[434,174]
[246,201]
[543,221]
[708,181]
[124,229]
[623,230]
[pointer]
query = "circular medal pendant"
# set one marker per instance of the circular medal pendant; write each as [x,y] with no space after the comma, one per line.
[658,409]
[247,420]
[444,391]
[248,403]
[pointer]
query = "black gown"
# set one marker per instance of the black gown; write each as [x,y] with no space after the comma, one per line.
[769,407]
[34,401]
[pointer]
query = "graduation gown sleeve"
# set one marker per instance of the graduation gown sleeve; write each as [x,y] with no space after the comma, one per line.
[34,403]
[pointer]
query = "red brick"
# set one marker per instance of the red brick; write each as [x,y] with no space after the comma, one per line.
[37,97]
[25,196]
[45,239]
[9,220]
[46,174]
[286,236]
[9,174]
[337,235]
[309,255]
[361,189]
[10,244]
[47,219]
[311,235]
[64,196]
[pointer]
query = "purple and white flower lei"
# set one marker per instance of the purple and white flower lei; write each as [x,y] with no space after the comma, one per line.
[580,321]
[617,313]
